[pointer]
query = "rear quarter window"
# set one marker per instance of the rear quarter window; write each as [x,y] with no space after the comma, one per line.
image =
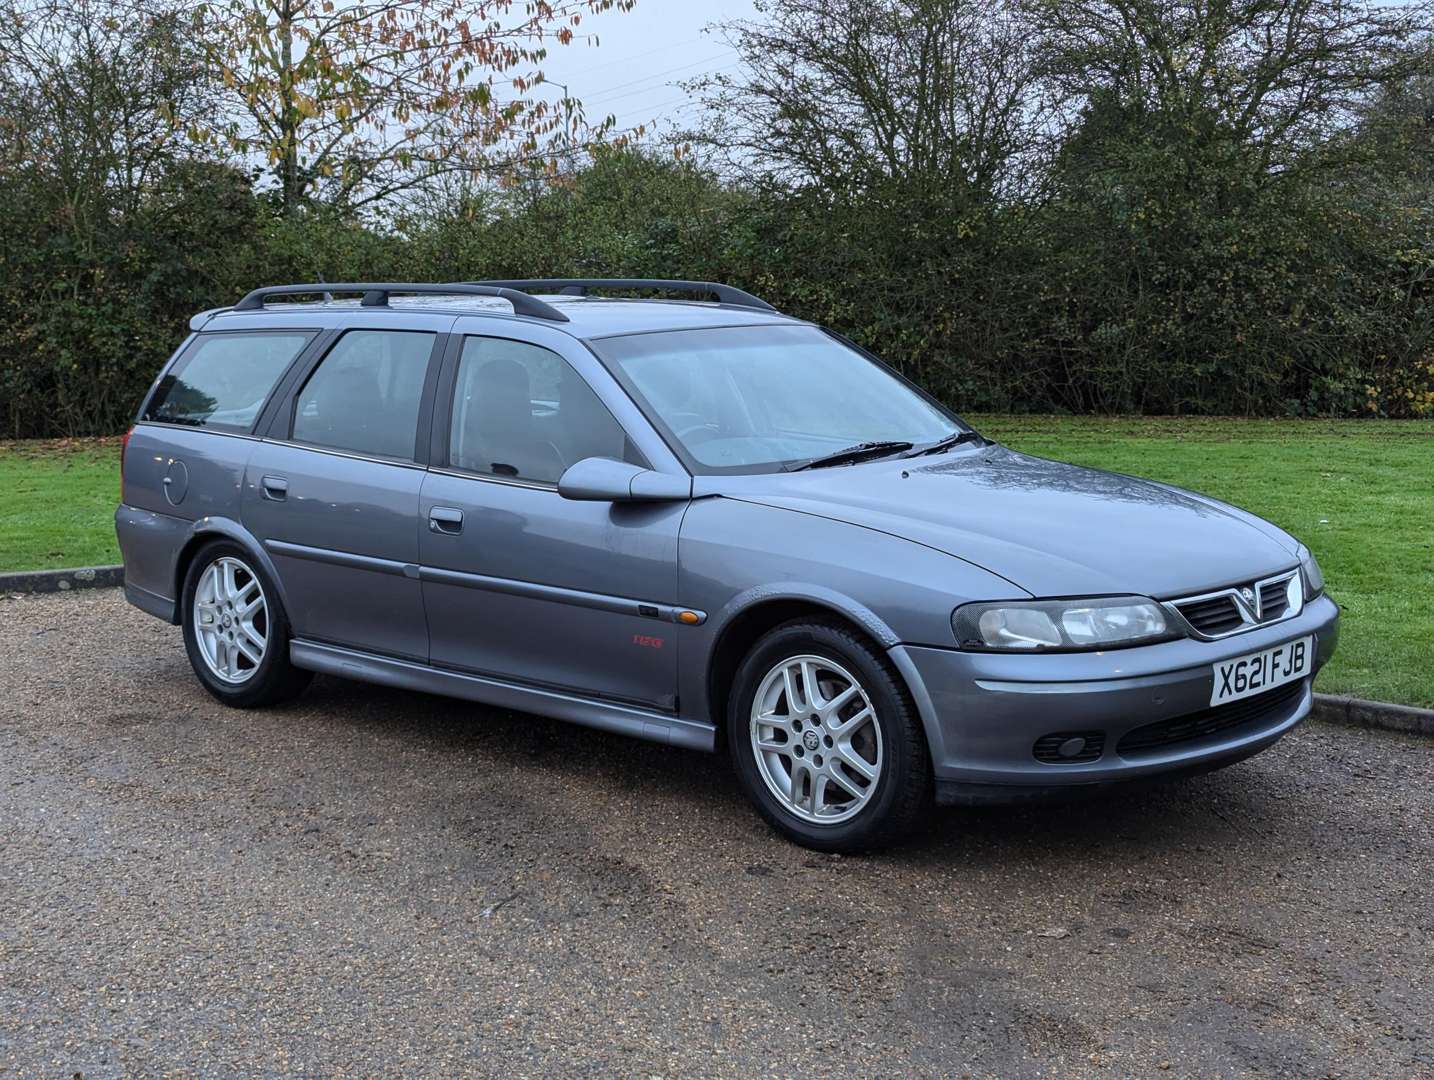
[223,380]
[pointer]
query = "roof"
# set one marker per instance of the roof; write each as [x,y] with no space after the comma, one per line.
[588,316]
[593,317]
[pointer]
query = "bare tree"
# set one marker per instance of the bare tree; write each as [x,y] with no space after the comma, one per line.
[1281,76]
[95,100]
[858,90]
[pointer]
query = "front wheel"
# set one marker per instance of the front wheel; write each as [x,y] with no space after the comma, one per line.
[235,631]
[825,740]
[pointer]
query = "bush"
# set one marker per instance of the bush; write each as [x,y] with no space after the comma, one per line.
[1145,295]
[1025,206]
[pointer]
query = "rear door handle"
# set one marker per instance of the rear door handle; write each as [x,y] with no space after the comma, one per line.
[445,519]
[276,488]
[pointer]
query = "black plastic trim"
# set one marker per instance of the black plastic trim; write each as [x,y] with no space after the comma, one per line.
[343,558]
[376,294]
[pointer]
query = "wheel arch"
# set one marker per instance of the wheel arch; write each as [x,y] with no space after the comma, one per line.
[207,530]
[750,616]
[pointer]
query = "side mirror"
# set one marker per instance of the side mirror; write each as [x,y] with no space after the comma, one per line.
[598,479]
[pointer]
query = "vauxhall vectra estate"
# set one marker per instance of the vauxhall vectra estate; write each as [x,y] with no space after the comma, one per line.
[704,523]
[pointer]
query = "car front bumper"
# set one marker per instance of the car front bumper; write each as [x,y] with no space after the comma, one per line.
[983,712]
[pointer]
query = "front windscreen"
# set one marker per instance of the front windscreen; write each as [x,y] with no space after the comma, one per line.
[761,398]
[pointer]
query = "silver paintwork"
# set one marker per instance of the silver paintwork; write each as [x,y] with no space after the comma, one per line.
[605,480]
[569,608]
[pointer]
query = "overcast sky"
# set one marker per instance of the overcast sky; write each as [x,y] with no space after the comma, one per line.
[641,55]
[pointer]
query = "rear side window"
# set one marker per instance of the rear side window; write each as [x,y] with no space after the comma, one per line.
[365,393]
[223,380]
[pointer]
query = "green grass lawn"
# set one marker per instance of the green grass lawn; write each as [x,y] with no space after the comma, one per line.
[57,503]
[1360,493]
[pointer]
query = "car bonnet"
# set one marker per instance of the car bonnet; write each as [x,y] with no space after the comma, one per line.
[1051,528]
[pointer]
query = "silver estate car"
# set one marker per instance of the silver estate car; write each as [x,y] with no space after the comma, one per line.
[704,523]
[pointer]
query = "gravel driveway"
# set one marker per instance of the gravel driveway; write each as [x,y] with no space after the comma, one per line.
[370,882]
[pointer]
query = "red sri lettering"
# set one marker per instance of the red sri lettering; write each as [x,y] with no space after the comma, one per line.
[647,642]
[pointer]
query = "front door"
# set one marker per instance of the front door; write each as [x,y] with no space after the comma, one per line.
[525,585]
[333,494]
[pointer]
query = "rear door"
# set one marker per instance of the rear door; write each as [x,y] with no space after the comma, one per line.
[518,581]
[332,492]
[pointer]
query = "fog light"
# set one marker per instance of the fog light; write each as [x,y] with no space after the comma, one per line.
[1069,747]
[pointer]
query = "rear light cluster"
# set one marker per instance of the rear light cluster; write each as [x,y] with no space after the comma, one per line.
[124,445]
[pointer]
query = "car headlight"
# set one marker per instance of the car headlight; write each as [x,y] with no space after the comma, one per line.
[1314,578]
[1046,625]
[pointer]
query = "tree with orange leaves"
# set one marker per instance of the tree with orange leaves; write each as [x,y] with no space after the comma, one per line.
[350,103]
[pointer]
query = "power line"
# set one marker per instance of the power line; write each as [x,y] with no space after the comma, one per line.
[607,94]
[680,103]
[646,52]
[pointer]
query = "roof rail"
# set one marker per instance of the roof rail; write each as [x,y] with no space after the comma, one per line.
[376,293]
[726,294]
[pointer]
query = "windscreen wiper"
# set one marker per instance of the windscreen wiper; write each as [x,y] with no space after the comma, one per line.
[852,454]
[947,443]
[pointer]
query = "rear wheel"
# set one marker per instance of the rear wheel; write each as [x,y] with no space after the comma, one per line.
[234,630]
[826,741]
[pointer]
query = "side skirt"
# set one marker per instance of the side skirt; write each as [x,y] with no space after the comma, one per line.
[406,675]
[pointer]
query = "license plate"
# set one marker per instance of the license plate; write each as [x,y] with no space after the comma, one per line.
[1245,675]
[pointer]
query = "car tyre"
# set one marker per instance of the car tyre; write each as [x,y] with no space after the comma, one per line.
[826,741]
[235,629]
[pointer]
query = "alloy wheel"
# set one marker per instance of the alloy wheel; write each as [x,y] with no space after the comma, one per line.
[231,620]
[816,739]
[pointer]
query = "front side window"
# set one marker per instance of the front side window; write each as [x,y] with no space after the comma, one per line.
[760,398]
[365,393]
[224,380]
[522,411]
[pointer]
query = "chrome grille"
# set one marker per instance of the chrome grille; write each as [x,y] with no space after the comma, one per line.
[1242,607]
[1273,600]
[1217,615]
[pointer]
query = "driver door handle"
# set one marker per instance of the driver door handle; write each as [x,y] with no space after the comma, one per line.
[445,519]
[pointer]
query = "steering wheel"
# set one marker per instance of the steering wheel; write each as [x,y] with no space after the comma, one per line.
[687,425]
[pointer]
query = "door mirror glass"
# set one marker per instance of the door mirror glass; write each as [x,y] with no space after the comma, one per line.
[597,479]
